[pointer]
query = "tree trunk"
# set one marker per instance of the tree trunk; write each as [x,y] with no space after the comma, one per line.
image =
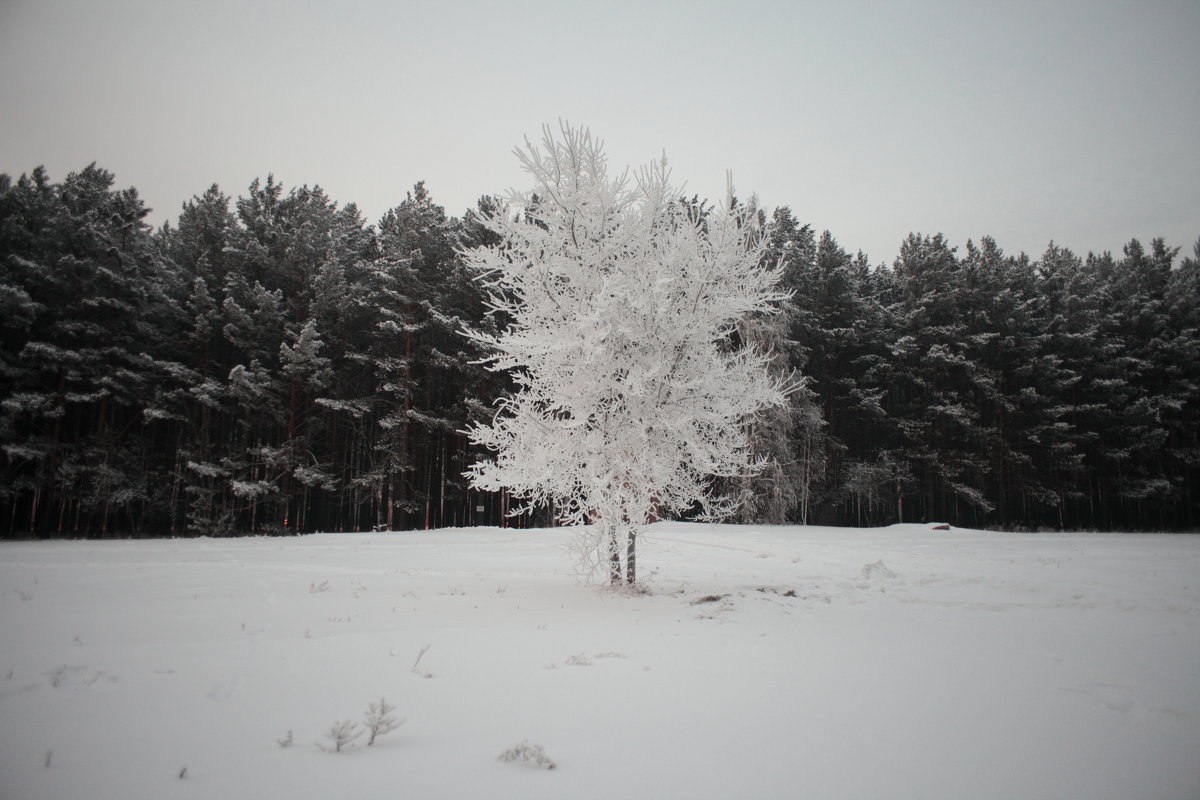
[33,508]
[391,500]
[631,557]
[614,551]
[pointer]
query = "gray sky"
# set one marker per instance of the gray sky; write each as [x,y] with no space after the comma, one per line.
[1029,121]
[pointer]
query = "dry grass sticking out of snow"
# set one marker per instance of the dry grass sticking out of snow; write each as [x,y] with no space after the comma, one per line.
[759,662]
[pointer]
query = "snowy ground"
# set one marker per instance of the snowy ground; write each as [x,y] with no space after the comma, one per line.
[834,663]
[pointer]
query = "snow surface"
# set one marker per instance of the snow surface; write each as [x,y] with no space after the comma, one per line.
[765,662]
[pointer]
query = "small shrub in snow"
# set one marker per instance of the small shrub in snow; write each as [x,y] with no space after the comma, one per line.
[341,734]
[286,741]
[579,660]
[529,754]
[314,587]
[380,721]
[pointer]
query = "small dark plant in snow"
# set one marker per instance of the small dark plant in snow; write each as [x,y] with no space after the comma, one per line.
[415,668]
[314,587]
[379,720]
[286,741]
[528,753]
[341,734]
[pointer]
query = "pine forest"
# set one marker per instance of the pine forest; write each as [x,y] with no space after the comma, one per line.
[277,364]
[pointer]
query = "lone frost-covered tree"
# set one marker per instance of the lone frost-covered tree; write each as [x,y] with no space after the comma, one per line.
[620,308]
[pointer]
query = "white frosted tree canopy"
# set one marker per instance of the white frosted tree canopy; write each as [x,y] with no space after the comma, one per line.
[622,304]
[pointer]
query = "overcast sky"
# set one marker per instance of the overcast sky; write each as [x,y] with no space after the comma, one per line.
[1028,121]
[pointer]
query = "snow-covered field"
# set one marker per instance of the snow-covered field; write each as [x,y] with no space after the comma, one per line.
[764,662]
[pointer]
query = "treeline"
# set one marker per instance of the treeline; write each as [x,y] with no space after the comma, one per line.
[276,364]
[273,364]
[986,389]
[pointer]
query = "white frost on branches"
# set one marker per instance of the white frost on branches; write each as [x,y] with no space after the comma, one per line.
[622,305]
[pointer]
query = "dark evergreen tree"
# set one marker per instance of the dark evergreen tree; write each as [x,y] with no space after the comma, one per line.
[1179,357]
[438,387]
[90,307]
[937,387]
[1140,392]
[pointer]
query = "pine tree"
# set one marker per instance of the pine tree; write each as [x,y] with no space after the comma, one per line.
[1180,360]
[1017,416]
[428,367]
[90,306]
[1138,326]
[937,386]
[1072,347]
